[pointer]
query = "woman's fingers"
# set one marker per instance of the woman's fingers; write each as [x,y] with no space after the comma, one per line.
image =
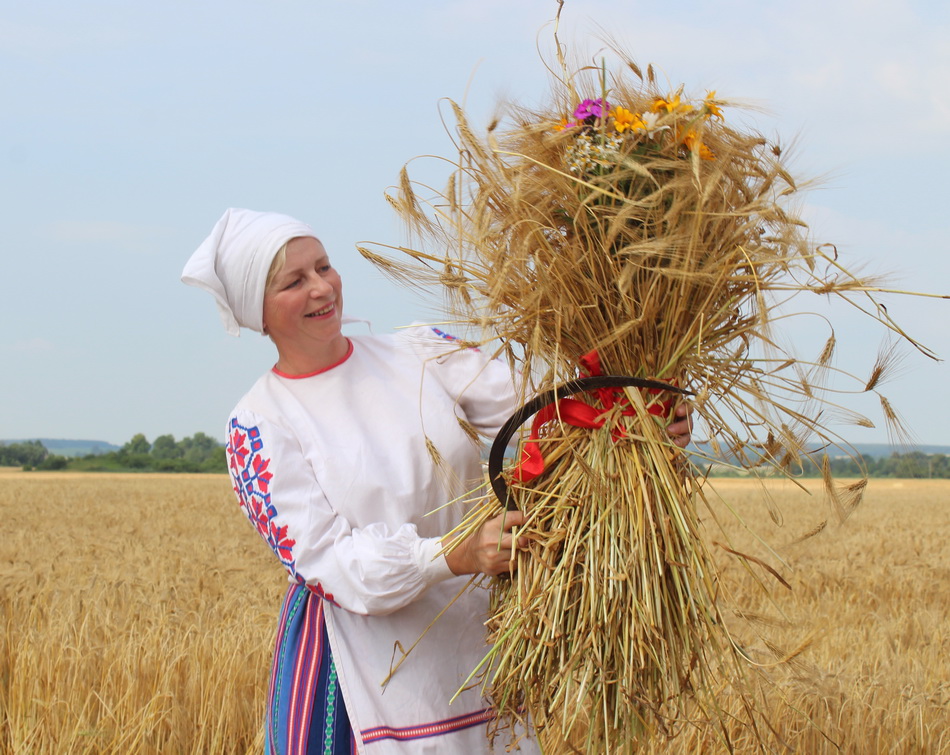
[680,430]
[498,542]
[491,549]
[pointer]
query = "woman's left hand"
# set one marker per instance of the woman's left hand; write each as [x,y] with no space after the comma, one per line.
[680,429]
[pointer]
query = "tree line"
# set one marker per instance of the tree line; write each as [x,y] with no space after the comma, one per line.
[197,453]
[202,453]
[912,465]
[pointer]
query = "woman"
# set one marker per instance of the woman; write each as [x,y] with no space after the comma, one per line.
[351,457]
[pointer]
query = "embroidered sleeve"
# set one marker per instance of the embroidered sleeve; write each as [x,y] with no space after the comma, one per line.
[372,570]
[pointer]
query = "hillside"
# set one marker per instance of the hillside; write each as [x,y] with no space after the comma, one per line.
[880,450]
[69,448]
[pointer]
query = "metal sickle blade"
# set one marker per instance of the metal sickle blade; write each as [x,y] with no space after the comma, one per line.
[496,455]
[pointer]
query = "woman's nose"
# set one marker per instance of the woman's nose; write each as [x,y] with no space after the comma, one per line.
[319,287]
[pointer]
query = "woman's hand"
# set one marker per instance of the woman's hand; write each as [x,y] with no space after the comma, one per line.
[681,427]
[490,549]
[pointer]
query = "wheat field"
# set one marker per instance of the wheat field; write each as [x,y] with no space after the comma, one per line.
[138,613]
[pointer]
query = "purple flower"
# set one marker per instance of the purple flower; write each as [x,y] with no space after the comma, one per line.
[591,109]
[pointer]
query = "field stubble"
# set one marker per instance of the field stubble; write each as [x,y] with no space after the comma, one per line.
[138,613]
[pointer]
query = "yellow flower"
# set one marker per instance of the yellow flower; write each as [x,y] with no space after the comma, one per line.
[660,104]
[693,144]
[671,105]
[563,125]
[624,119]
[711,106]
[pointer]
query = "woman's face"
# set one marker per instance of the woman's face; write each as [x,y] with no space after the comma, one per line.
[303,306]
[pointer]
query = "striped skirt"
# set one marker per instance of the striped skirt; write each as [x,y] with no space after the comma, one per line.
[305,710]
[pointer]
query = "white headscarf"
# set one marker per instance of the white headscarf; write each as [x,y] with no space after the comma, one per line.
[232,263]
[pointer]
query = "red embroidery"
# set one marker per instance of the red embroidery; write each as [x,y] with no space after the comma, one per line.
[422,731]
[252,480]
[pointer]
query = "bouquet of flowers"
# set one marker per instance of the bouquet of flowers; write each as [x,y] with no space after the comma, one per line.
[626,229]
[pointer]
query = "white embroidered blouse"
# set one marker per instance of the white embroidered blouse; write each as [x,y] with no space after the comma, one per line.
[334,471]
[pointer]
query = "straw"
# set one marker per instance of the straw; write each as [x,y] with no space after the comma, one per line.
[629,229]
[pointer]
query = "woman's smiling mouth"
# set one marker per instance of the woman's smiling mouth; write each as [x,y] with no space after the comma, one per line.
[321,312]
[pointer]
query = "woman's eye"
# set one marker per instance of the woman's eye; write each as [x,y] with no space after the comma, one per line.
[292,284]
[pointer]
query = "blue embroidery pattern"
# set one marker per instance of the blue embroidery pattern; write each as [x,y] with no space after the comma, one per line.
[443,334]
[448,336]
[252,479]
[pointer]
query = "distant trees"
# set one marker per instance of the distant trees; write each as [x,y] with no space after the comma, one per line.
[29,453]
[138,445]
[165,447]
[913,465]
[198,453]
[199,447]
[52,462]
[202,453]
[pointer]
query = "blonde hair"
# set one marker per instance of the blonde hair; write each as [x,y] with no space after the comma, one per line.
[276,265]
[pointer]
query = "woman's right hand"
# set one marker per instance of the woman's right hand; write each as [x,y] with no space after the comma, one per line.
[491,549]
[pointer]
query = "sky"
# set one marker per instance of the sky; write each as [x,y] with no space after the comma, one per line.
[128,128]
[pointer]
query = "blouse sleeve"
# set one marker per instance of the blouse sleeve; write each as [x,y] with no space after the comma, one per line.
[483,387]
[369,570]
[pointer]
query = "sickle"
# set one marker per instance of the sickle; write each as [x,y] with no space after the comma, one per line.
[496,455]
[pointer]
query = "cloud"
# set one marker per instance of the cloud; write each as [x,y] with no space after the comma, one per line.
[870,63]
[917,92]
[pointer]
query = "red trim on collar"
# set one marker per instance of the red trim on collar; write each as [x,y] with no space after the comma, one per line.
[346,356]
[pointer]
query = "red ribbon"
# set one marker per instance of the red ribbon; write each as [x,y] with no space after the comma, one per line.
[579,414]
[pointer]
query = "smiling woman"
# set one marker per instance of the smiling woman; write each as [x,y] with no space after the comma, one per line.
[353,458]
